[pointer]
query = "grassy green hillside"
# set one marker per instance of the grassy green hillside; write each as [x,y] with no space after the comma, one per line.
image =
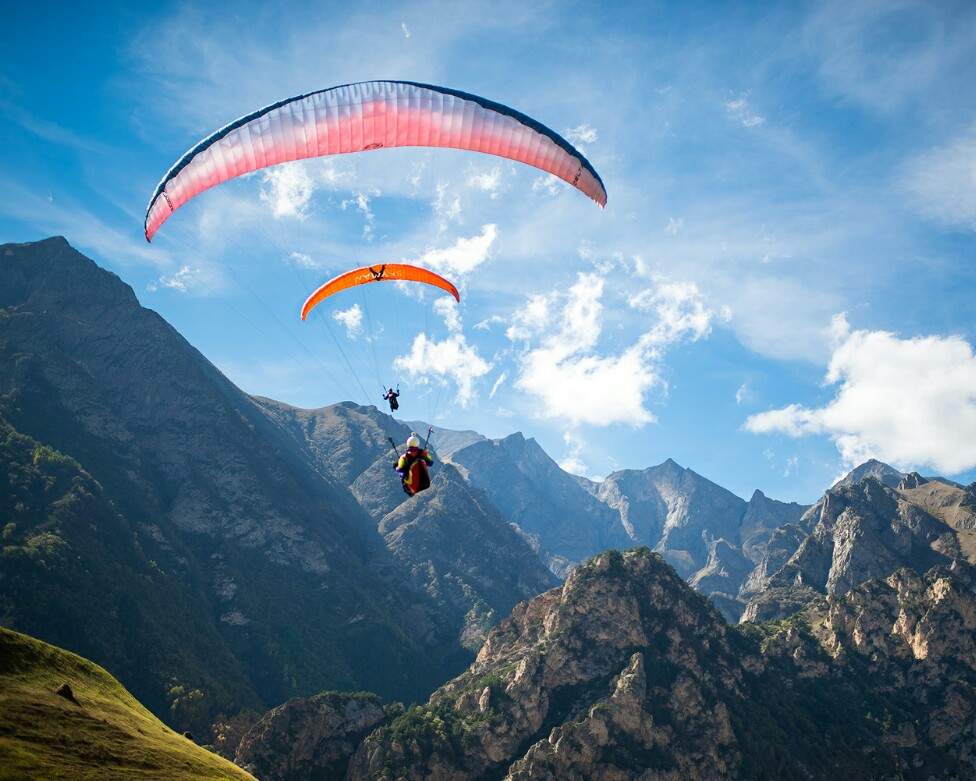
[102,733]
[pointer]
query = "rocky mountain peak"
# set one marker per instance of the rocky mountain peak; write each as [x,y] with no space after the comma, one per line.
[863,530]
[911,480]
[563,682]
[41,276]
[885,474]
[624,673]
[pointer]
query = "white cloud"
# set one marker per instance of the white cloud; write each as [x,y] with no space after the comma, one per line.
[549,184]
[351,319]
[361,202]
[446,207]
[572,380]
[498,383]
[447,308]
[674,226]
[303,260]
[581,135]
[791,466]
[288,189]
[487,323]
[942,182]
[489,182]
[406,30]
[533,317]
[573,464]
[679,309]
[908,402]
[464,257]
[743,393]
[740,111]
[178,281]
[451,359]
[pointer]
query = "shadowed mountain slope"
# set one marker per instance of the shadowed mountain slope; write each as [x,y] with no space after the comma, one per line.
[270,552]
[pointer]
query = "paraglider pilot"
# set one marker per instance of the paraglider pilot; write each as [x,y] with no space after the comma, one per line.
[412,467]
[391,396]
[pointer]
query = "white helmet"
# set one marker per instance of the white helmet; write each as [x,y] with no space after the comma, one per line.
[413,441]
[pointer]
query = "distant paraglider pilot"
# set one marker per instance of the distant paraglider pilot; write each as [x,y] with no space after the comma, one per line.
[412,467]
[391,396]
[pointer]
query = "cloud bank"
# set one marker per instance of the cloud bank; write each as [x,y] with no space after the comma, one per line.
[908,402]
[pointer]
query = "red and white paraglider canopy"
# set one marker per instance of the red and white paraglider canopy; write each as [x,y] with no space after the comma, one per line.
[364,116]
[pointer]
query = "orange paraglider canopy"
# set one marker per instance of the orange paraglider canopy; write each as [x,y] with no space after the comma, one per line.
[391,271]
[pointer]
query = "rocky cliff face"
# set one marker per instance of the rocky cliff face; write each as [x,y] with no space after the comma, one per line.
[455,545]
[712,537]
[863,530]
[578,681]
[625,673]
[308,739]
[881,472]
[562,521]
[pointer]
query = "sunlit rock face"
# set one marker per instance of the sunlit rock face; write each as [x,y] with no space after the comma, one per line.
[859,531]
[625,673]
[574,677]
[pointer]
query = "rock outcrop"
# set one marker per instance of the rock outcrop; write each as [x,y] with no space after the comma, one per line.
[309,739]
[863,530]
[614,666]
[625,673]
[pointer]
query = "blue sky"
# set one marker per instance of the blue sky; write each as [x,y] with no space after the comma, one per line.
[781,286]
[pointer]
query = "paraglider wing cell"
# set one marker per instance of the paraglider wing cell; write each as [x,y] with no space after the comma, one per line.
[391,271]
[364,116]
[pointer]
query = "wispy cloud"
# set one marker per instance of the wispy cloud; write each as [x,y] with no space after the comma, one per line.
[582,135]
[61,214]
[908,402]
[498,383]
[304,260]
[52,132]
[361,203]
[739,110]
[572,461]
[180,281]
[942,182]
[446,205]
[489,182]
[884,55]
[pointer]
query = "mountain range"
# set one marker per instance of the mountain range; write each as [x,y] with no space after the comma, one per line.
[222,553]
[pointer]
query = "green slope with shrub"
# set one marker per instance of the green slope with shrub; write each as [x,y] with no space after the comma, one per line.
[97,730]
